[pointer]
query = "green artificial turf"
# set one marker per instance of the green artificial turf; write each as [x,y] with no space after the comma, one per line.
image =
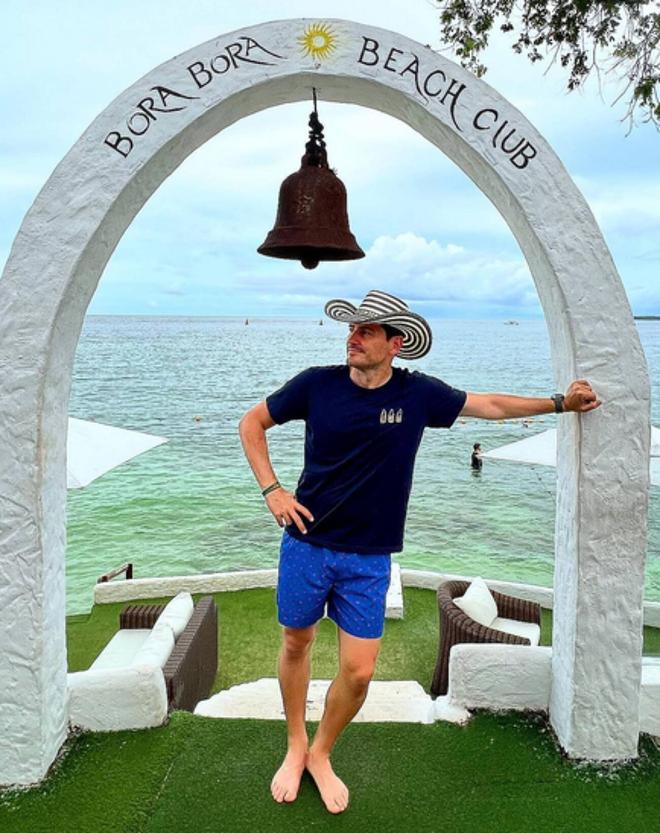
[250,639]
[499,773]
[197,775]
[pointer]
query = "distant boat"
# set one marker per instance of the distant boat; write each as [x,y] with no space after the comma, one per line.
[512,322]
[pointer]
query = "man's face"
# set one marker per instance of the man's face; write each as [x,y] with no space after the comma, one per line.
[367,346]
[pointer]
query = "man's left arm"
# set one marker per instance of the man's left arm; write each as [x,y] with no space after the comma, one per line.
[579,397]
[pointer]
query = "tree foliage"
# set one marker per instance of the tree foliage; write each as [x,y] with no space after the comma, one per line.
[585,37]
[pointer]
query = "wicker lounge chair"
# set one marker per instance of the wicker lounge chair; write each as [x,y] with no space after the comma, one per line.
[190,670]
[457,627]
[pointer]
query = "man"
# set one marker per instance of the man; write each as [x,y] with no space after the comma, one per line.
[364,422]
[476,460]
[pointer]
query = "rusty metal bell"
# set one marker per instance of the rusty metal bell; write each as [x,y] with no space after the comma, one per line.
[312,220]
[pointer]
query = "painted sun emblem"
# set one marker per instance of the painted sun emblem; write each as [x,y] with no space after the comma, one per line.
[318,41]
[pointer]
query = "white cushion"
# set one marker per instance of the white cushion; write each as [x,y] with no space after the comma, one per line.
[528,630]
[478,602]
[157,646]
[177,613]
[121,649]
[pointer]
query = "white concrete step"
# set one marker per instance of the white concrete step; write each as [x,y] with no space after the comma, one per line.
[387,702]
[449,712]
[394,600]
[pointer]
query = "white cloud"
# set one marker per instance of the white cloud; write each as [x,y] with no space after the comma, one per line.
[624,205]
[177,288]
[408,247]
[406,265]
[13,179]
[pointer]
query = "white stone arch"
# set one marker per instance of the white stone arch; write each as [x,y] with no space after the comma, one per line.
[92,196]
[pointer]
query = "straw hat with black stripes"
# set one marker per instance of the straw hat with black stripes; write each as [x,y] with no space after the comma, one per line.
[381,308]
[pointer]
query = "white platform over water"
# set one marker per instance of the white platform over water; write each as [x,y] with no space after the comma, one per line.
[388,701]
[110,592]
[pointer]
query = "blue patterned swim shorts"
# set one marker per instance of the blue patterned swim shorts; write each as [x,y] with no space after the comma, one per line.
[354,586]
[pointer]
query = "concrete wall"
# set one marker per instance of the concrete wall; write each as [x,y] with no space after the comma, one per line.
[153,588]
[508,677]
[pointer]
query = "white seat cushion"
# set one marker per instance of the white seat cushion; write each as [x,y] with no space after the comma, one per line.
[177,613]
[157,647]
[528,630]
[121,649]
[478,603]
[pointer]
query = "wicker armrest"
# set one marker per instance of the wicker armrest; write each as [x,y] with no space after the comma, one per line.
[467,630]
[511,608]
[191,668]
[450,590]
[140,616]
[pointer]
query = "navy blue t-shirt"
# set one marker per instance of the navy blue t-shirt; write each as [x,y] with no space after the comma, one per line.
[360,447]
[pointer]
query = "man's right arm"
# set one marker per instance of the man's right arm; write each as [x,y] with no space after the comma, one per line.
[282,504]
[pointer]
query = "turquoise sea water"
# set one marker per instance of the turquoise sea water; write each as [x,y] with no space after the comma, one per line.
[192,506]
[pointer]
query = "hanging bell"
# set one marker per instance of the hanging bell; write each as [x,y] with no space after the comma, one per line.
[312,220]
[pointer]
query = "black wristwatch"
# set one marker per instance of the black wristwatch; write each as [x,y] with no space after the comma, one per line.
[558,401]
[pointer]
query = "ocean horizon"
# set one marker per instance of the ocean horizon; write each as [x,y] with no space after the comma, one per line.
[192,505]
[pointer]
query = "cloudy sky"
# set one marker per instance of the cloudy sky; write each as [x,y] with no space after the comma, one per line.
[429,233]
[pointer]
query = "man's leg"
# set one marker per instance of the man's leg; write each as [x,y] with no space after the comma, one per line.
[293,672]
[347,692]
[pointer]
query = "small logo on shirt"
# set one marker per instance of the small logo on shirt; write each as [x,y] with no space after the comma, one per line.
[391,416]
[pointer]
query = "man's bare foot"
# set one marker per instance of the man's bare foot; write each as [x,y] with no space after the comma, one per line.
[286,781]
[333,790]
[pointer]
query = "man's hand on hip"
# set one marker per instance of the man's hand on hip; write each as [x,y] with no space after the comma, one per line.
[286,510]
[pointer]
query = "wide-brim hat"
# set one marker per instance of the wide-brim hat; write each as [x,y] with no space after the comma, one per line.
[381,308]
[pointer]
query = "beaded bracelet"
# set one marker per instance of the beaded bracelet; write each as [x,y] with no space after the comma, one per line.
[271,488]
